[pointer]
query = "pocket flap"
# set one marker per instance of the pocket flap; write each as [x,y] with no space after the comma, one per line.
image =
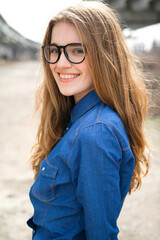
[47,169]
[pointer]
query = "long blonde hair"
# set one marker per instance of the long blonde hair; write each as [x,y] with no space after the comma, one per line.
[116,80]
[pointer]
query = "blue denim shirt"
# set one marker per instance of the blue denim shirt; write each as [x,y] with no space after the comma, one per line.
[81,185]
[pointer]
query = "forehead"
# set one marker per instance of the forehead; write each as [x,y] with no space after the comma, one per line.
[64,33]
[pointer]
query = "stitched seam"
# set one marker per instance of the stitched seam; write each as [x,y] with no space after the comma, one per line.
[98,122]
[48,175]
[125,149]
[102,182]
[74,141]
[46,200]
[55,168]
[115,132]
[100,112]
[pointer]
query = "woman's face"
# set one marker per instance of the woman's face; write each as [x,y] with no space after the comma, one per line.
[72,79]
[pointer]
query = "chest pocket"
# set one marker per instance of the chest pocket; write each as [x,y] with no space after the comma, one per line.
[43,186]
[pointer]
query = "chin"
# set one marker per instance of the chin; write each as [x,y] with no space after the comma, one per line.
[66,93]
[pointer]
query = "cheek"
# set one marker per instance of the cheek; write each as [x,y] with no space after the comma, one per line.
[84,67]
[87,74]
[53,72]
[52,68]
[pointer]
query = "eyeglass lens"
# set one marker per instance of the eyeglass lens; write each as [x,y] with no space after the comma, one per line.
[73,53]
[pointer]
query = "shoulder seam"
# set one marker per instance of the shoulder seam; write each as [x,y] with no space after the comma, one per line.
[98,122]
[100,111]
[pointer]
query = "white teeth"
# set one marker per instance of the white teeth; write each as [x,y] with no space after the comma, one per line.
[67,76]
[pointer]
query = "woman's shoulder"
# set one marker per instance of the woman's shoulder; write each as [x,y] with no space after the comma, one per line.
[109,115]
[103,115]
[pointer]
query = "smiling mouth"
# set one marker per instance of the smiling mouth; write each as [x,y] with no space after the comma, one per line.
[68,76]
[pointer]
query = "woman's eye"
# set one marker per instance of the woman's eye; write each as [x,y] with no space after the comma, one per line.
[78,51]
[53,50]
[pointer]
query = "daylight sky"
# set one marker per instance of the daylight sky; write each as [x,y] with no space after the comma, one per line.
[31,17]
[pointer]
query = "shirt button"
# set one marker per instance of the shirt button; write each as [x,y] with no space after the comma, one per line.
[43,168]
[67,128]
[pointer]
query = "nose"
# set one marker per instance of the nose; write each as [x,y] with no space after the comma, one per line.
[63,61]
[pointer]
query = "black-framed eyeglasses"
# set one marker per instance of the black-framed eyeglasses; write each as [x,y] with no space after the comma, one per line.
[74,52]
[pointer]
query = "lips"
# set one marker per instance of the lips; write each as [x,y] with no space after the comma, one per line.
[66,77]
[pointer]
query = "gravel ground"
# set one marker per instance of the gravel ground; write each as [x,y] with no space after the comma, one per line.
[140,217]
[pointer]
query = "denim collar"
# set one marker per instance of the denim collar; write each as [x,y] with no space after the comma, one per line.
[84,105]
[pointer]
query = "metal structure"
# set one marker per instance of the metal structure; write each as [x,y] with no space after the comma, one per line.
[137,13]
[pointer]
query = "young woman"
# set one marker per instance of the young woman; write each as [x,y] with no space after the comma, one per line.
[90,142]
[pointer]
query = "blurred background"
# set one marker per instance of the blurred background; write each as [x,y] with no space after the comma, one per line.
[22,27]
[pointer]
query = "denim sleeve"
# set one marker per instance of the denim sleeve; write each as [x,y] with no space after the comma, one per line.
[98,186]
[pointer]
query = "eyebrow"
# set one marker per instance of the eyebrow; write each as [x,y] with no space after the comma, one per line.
[66,44]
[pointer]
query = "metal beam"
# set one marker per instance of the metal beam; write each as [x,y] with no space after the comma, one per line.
[137,13]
